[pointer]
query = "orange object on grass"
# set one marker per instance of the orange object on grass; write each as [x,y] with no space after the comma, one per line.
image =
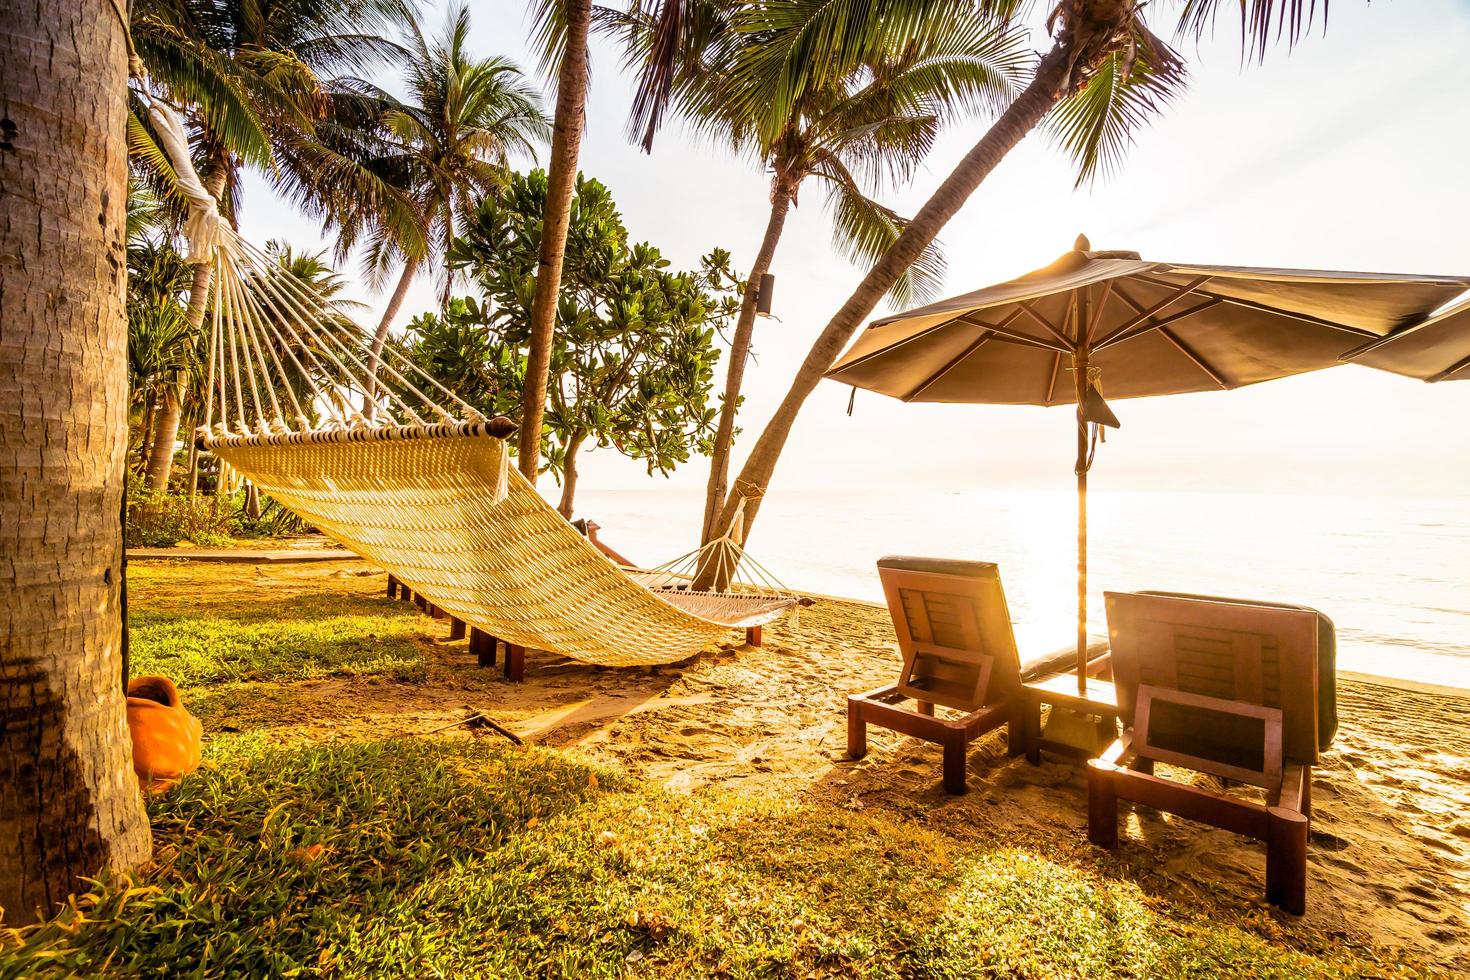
[166,738]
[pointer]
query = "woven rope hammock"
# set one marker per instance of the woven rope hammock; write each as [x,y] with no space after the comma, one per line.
[423,488]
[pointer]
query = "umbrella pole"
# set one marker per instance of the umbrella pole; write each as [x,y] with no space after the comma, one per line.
[1080,365]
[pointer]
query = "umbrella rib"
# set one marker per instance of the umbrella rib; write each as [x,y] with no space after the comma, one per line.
[892,347]
[1253,305]
[1056,370]
[1179,292]
[1459,365]
[1114,338]
[1051,328]
[1425,320]
[974,345]
[1002,333]
[1097,311]
[1199,361]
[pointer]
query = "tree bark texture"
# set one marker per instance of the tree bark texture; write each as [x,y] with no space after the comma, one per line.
[69,801]
[719,467]
[569,475]
[561,180]
[380,337]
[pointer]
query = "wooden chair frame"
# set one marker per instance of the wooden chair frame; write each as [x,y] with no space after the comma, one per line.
[882,707]
[1125,770]
[984,686]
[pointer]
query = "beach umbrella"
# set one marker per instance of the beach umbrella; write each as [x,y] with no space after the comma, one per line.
[1436,349]
[1095,323]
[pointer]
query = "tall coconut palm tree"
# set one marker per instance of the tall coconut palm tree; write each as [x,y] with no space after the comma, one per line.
[1104,74]
[252,76]
[562,27]
[872,126]
[70,807]
[446,145]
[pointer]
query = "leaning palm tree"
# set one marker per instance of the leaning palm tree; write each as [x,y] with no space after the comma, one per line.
[447,144]
[851,134]
[252,77]
[1104,74]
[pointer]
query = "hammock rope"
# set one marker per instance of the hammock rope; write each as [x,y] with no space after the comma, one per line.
[434,502]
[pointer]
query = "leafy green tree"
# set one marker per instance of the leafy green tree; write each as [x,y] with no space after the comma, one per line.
[633,354]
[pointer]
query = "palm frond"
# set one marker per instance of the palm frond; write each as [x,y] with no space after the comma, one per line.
[1096,125]
[863,230]
[1262,22]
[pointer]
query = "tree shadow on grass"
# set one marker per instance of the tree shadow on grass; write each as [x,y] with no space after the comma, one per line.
[275,860]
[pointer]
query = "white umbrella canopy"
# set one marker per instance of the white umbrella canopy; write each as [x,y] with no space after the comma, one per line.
[1095,322]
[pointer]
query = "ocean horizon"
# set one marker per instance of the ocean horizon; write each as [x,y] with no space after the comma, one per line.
[1393,572]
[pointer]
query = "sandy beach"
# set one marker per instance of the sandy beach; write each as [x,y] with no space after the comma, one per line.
[1389,860]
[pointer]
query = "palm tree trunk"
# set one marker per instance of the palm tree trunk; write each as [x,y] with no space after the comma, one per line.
[193,486]
[161,453]
[561,180]
[1051,82]
[166,432]
[70,806]
[719,466]
[145,434]
[569,474]
[380,336]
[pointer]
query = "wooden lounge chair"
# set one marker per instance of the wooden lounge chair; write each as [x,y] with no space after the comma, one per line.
[1240,690]
[959,651]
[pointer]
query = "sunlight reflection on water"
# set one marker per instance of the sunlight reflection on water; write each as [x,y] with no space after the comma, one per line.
[1393,572]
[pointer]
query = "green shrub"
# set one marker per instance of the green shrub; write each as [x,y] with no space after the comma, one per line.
[160,520]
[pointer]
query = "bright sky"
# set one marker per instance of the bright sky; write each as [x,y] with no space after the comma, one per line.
[1347,153]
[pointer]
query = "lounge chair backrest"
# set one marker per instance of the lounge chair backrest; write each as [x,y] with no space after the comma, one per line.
[1326,658]
[954,630]
[1227,650]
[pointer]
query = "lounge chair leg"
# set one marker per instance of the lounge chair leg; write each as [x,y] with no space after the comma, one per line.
[456,628]
[392,587]
[1286,859]
[1307,796]
[925,708]
[954,764]
[1102,805]
[515,662]
[753,636]
[1032,722]
[857,730]
[1016,728]
[483,646]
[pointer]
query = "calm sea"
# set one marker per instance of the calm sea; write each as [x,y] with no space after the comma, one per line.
[1393,572]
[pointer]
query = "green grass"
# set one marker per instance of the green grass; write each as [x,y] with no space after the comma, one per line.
[460,857]
[468,857]
[204,631]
